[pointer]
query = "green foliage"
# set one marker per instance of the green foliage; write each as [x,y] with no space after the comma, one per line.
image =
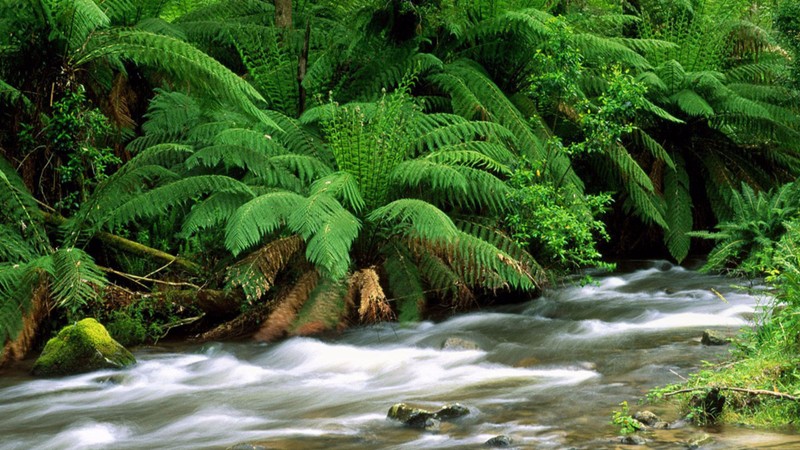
[623,420]
[76,133]
[747,243]
[560,228]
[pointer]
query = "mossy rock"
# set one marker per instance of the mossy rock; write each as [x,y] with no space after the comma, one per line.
[83,347]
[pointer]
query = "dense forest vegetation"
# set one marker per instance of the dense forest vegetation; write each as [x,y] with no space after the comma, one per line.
[230,167]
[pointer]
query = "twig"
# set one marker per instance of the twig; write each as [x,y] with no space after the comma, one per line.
[678,375]
[151,280]
[735,389]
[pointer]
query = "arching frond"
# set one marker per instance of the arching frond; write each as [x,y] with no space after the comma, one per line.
[329,231]
[76,278]
[416,218]
[181,61]
[678,210]
[213,211]
[157,201]
[343,187]
[261,215]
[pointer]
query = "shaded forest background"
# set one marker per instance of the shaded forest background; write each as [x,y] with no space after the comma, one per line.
[224,168]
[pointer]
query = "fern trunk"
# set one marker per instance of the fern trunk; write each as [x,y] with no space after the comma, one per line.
[283,14]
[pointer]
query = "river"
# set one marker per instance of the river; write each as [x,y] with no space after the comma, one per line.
[548,373]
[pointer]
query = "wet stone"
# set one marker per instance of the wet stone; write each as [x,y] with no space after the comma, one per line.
[632,439]
[457,343]
[699,441]
[500,441]
[449,412]
[647,418]
[711,337]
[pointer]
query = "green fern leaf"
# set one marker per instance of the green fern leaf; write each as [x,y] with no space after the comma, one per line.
[678,210]
[417,218]
[258,217]
[76,278]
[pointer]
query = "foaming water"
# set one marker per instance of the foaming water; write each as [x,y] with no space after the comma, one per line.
[547,373]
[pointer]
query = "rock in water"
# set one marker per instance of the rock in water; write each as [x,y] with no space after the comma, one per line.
[424,419]
[632,439]
[457,343]
[449,412]
[499,441]
[413,417]
[83,347]
[647,418]
[711,337]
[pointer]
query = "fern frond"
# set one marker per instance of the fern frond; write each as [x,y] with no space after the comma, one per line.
[213,211]
[343,186]
[258,217]
[181,61]
[416,218]
[11,95]
[329,231]
[678,210]
[649,207]
[373,305]
[405,283]
[157,201]
[77,19]
[692,104]
[416,172]
[643,139]
[76,278]
[17,284]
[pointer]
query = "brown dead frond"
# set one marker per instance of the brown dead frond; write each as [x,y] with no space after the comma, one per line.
[374,306]
[466,298]
[41,302]
[278,323]
[324,311]
[119,99]
[256,272]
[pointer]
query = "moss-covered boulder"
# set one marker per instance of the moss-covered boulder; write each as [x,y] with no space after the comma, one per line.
[79,348]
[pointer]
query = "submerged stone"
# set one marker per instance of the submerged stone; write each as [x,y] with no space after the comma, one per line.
[699,441]
[632,439]
[500,441]
[457,343]
[83,347]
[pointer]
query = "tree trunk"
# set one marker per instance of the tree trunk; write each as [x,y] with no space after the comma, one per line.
[283,14]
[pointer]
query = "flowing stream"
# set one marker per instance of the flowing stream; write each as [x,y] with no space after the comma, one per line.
[548,373]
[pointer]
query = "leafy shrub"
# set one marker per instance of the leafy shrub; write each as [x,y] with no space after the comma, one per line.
[561,228]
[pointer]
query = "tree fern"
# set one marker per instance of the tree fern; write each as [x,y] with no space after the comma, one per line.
[324,310]
[256,273]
